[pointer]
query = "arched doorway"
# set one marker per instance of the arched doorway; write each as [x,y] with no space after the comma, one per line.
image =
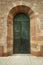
[21,34]
[27,15]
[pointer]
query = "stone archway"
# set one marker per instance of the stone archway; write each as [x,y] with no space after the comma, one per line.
[12,13]
[19,9]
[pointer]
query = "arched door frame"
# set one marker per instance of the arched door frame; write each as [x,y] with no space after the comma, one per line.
[17,9]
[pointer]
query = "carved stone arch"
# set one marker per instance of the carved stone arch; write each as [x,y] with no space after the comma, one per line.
[19,9]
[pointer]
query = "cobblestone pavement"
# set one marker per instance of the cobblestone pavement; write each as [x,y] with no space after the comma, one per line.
[21,60]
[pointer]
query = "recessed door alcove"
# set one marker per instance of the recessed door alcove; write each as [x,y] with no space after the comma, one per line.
[20,26]
[21,34]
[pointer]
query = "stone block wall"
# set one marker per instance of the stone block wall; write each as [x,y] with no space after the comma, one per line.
[36,25]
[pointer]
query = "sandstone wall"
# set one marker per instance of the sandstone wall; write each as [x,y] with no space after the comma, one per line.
[36,34]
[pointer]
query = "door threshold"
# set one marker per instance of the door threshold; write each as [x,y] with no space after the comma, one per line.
[22,54]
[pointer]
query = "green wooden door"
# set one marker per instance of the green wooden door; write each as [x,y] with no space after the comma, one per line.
[21,34]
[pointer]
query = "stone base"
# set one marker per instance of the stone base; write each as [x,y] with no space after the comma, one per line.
[41,50]
[1,50]
[4,54]
[36,53]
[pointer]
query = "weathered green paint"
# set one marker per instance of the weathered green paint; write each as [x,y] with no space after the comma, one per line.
[21,34]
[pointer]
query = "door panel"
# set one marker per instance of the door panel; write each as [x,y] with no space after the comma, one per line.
[21,34]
